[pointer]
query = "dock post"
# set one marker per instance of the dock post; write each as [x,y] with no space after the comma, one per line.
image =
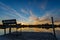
[5,31]
[10,30]
[16,26]
[53,28]
[16,30]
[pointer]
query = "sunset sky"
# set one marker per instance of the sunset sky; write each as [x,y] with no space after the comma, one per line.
[30,11]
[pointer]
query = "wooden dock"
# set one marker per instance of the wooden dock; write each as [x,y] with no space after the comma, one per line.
[13,24]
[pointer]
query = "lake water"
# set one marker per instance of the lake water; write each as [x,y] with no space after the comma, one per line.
[57,30]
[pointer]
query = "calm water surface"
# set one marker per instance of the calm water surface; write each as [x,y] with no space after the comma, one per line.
[33,30]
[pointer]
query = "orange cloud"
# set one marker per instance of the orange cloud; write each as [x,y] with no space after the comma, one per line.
[46,18]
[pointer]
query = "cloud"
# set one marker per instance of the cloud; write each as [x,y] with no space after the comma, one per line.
[43,4]
[32,16]
[46,18]
[33,19]
[48,15]
[31,13]
[12,12]
[39,20]
[9,9]
[24,11]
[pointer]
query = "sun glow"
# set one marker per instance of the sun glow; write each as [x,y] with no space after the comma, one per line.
[27,29]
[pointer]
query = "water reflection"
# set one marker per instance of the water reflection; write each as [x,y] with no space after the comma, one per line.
[27,29]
